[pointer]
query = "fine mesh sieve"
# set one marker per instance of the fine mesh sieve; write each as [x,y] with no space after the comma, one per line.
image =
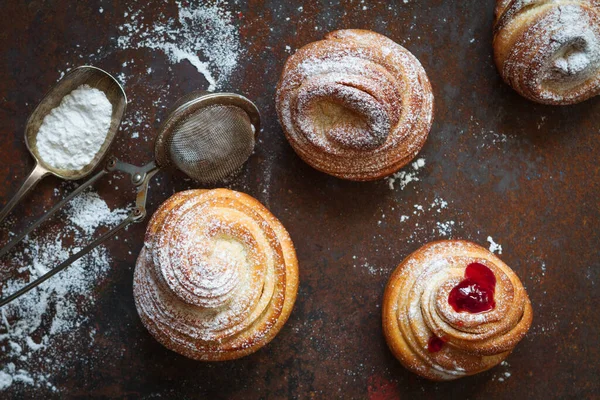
[212,143]
[208,136]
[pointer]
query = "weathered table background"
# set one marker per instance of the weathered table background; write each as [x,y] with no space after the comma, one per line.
[525,174]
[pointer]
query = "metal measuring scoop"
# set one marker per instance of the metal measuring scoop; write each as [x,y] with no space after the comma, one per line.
[208,136]
[87,75]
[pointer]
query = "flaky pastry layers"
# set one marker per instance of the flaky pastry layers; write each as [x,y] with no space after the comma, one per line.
[355,105]
[416,310]
[217,277]
[549,50]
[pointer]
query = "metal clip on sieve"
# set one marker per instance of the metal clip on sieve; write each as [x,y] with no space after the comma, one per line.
[208,136]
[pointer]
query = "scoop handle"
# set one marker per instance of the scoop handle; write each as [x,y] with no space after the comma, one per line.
[34,177]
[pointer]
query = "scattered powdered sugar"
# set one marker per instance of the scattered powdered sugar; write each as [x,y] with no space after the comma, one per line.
[445,228]
[89,211]
[202,34]
[405,176]
[491,139]
[33,326]
[543,268]
[494,247]
[430,220]
[501,376]
[373,269]
[73,132]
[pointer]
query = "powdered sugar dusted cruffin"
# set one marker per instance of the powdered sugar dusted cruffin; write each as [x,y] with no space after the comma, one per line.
[217,277]
[416,308]
[549,50]
[355,105]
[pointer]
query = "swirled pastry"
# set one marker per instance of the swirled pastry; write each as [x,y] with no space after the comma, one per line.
[549,50]
[453,309]
[217,277]
[355,105]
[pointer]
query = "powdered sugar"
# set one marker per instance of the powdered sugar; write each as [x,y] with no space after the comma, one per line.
[374,270]
[407,175]
[89,211]
[500,375]
[573,63]
[74,132]
[429,220]
[32,326]
[445,228]
[202,34]
[494,247]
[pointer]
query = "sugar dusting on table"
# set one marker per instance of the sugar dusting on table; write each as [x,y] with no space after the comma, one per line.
[494,247]
[406,175]
[205,35]
[433,219]
[201,34]
[502,373]
[33,327]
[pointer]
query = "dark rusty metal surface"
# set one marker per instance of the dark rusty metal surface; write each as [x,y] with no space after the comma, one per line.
[525,174]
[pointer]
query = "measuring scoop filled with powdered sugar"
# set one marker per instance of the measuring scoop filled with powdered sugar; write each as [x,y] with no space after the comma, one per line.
[72,128]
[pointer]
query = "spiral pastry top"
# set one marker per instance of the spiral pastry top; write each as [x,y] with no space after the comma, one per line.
[355,105]
[549,50]
[453,309]
[217,277]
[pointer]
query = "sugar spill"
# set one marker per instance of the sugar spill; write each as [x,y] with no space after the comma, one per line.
[174,39]
[406,175]
[214,55]
[32,326]
[494,247]
[430,220]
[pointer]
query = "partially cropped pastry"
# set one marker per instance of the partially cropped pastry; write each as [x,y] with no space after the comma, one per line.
[453,309]
[549,50]
[355,105]
[217,277]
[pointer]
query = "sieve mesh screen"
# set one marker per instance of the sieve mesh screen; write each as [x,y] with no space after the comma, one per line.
[212,142]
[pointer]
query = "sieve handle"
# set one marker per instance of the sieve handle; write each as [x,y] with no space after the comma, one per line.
[17,239]
[140,176]
[34,177]
[133,217]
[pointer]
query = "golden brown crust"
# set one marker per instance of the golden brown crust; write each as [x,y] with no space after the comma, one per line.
[416,307]
[549,50]
[217,277]
[355,105]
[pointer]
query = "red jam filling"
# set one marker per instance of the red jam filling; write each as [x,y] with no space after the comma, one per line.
[435,344]
[475,293]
